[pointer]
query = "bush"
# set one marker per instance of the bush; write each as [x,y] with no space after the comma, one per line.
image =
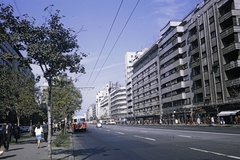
[62,140]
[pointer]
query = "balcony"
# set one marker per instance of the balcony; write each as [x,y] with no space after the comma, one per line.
[195,63]
[230,48]
[199,76]
[228,15]
[195,50]
[230,30]
[176,41]
[198,90]
[233,82]
[232,65]
[172,55]
[192,38]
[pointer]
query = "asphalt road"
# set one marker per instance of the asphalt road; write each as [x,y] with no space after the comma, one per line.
[123,142]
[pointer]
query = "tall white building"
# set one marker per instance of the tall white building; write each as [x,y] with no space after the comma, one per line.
[130,58]
[118,104]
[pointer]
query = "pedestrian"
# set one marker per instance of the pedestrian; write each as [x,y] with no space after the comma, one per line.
[45,131]
[16,132]
[38,133]
[6,135]
[212,120]
[222,120]
[1,151]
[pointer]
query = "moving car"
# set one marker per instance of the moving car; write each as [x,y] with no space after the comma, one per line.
[99,125]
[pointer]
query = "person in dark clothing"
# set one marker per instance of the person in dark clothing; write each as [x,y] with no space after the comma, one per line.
[6,135]
[45,131]
[16,132]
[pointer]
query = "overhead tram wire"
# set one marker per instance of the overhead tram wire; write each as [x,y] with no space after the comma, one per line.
[105,41]
[117,40]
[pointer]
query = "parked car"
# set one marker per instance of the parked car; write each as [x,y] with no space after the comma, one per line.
[99,125]
[24,128]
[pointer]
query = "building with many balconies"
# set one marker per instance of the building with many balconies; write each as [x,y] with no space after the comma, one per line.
[130,58]
[198,59]
[145,86]
[118,104]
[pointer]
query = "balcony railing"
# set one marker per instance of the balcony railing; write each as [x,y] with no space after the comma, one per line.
[232,65]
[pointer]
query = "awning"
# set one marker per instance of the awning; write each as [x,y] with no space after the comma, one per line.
[228,113]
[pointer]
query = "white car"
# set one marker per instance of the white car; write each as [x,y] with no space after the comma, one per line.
[99,125]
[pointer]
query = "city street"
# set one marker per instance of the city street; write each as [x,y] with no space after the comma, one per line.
[157,142]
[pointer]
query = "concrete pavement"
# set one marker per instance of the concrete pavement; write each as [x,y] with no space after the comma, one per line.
[26,149]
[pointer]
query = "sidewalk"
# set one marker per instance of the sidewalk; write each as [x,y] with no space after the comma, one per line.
[27,149]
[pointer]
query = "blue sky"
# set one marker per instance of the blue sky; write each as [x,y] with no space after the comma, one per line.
[94,18]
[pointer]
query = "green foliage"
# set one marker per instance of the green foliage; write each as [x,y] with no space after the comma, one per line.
[50,46]
[65,97]
[62,140]
[17,92]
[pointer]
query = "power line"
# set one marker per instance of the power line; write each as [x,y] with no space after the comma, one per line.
[116,40]
[20,14]
[105,41]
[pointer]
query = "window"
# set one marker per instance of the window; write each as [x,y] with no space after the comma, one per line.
[186,78]
[205,68]
[187,90]
[213,34]
[203,40]
[217,79]
[211,20]
[214,49]
[201,27]
[219,95]
[204,54]
[206,82]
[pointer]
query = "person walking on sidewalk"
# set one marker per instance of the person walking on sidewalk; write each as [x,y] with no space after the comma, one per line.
[16,130]
[6,135]
[45,131]
[38,133]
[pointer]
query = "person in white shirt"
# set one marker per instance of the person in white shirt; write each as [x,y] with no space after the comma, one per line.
[38,133]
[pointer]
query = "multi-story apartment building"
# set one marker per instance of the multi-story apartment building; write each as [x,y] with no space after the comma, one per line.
[174,71]
[145,88]
[101,95]
[103,101]
[199,61]
[130,57]
[192,71]
[118,104]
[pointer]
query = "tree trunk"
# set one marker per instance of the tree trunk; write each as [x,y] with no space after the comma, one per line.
[49,112]
[18,120]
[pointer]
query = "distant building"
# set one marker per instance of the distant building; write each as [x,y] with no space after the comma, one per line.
[130,58]
[118,106]
[145,86]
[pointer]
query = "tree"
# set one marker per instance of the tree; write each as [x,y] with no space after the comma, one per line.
[50,46]
[17,92]
[66,98]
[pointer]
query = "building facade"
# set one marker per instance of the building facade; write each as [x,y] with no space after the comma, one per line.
[145,88]
[197,66]
[118,104]
[130,58]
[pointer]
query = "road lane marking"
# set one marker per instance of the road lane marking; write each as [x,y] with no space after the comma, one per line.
[119,132]
[216,153]
[144,131]
[151,139]
[108,130]
[185,136]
